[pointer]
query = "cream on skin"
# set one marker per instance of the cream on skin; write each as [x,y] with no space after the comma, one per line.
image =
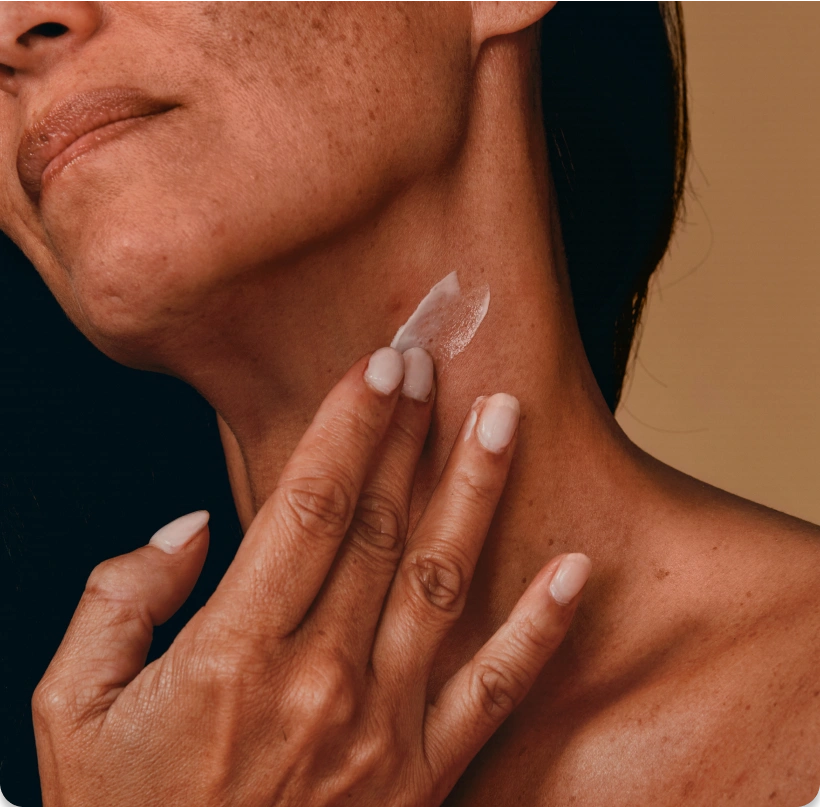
[445,321]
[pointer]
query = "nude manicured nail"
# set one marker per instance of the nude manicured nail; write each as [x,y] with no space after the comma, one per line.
[385,370]
[569,577]
[498,421]
[418,374]
[172,537]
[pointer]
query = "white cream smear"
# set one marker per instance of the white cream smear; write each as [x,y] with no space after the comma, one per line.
[445,321]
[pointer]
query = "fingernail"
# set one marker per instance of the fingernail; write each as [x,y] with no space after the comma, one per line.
[569,577]
[496,425]
[418,374]
[384,370]
[172,537]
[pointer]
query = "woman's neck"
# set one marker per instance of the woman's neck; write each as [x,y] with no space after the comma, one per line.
[491,215]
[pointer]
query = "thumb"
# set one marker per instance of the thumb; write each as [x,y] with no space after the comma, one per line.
[107,641]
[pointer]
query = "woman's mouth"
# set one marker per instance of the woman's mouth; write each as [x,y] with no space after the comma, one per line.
[75,126]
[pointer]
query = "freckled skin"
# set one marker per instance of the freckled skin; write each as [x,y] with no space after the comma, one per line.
[284,111]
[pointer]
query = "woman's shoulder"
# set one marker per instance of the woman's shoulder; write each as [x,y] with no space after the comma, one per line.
[755,572]
[760,548]
[726,705]
[754,566]
[748,595]
[746,542]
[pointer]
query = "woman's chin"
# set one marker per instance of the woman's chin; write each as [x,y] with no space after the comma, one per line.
[132,300]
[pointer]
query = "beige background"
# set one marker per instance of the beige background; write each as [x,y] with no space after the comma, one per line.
[725,382]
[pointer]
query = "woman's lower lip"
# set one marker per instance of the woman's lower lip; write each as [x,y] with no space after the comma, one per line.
[88,142]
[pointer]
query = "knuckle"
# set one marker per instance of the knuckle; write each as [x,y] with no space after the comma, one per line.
[319,506]
[350,428]
[327,696]
[438,579]
[529,639]
[230,659]
[108,580]
[356,425]
[53,702]
[111,589]
[406,436]
[379,526]
[230,669]
[472,486]
[372,753]
[498,688]
[375,751]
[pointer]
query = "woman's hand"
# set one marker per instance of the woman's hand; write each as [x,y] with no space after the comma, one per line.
[303,681]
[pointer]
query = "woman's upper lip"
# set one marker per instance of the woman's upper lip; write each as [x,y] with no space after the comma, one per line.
[71,118]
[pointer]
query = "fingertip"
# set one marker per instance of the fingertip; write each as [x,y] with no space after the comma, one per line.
[570,577]
[418,374]
[498,422]
[177,534]
[385,370]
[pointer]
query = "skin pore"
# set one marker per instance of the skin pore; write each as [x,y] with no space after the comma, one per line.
[324,168]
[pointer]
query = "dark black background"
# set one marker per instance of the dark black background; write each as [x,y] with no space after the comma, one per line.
[94,458]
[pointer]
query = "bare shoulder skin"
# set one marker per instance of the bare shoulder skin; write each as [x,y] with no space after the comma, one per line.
[715,701]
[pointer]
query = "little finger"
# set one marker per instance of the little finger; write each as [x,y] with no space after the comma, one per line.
[481,695]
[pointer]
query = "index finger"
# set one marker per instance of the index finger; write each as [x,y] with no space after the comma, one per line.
[290,546]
